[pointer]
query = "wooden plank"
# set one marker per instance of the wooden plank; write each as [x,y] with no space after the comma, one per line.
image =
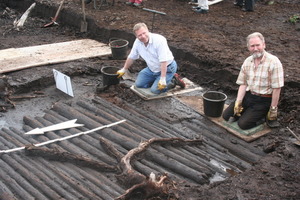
[21,58]
[211,2]
[146,94]
[196,103]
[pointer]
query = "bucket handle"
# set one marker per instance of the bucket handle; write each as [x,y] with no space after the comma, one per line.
[113,39]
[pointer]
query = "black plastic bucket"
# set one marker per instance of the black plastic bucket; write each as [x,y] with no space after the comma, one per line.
[213,103]
[110,76]
[118,48]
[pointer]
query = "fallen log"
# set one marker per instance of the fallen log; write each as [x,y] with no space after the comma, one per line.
[57,155]
[25,97]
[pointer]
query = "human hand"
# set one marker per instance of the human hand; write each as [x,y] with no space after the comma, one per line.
[121,72]
[238,108]
[162,83]
[272,114]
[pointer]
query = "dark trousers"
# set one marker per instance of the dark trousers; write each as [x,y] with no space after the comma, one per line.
[247,4]
[255,109]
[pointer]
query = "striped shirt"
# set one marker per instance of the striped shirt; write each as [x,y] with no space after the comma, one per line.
[154,53]
[263,78]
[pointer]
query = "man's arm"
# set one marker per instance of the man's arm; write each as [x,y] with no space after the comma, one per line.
[241,92]
[163,67]
[128,63]
[126,66]
[275,97]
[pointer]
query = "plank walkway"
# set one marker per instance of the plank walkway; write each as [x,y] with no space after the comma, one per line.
[14,59]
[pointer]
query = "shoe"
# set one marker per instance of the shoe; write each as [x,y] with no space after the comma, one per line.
[245,10]
[129,3]
[179,81]
[273,123]
[202,11]
[237,4]
[196,7]
[232,119]
[137,4]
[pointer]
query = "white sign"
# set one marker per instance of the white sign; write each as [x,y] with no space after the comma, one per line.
[63,82]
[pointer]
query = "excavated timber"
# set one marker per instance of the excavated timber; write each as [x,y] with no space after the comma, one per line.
[40,176]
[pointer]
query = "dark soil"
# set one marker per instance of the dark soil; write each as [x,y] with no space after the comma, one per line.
[209,49]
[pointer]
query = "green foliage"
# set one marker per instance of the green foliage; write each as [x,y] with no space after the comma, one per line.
[294,19]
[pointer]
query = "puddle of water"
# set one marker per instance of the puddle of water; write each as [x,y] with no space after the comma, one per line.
[2,123]
[217,177]
[219,165]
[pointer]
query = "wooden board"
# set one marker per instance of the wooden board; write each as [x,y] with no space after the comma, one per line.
[211,2]
[21,58]
[146,94]
[196,103]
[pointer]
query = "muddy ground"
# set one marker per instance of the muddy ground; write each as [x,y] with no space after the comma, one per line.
[209,49]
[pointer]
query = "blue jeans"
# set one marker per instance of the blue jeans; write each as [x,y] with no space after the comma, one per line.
[146,78]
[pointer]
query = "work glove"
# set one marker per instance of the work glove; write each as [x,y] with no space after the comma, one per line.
[121,72]
[162,83]
[272,114]
[238,108]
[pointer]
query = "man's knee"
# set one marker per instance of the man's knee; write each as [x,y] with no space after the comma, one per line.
[155,90]
[244,125]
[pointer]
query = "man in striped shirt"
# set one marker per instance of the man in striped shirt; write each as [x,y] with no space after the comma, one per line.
[260,81]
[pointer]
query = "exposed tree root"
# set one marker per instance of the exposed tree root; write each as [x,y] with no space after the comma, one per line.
[142,187]
[57,155]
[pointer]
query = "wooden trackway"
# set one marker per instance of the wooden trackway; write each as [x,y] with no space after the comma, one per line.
[21,58]
[196,103]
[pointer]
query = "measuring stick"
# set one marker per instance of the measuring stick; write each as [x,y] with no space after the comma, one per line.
[64,138]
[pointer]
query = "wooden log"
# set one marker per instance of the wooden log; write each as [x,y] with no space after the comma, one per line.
[68,176]
[29,175]
[87,144]
[238,151]
[167,152]
[46,167]
[46,181]
[68,179]
[5,193]
[14,181]
[160,129]
[88,189]
[110,149]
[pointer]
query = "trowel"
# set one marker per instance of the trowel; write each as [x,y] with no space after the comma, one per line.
[297,137]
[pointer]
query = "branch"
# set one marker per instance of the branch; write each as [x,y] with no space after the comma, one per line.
[57,155]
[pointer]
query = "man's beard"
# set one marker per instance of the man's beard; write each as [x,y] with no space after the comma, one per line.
[258,54]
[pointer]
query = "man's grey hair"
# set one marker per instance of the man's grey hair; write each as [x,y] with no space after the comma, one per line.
[138,26]
[253,35]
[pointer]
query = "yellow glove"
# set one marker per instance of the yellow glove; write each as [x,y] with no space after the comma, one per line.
[272,114]
[238,108]
[162,83]
[121,72]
